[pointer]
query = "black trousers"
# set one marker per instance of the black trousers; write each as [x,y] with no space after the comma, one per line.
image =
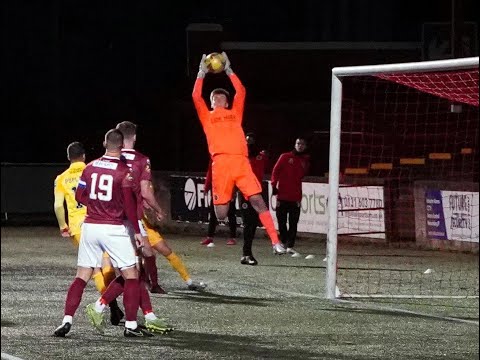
[288,210]
[250,223]
[232,221]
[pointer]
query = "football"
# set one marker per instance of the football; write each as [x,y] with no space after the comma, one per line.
[215,62]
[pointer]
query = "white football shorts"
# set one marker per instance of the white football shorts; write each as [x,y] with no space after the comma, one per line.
[115,240]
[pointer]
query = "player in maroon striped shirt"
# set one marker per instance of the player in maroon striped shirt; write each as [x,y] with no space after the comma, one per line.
[106,188]
[146,201]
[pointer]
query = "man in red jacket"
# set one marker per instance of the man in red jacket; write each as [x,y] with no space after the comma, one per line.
[287,177]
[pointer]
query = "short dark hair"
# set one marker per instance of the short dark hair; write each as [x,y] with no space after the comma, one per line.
[75,151]
[220,91]
[128,129]
[113,139]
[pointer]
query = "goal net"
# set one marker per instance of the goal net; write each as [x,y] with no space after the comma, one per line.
[404,138]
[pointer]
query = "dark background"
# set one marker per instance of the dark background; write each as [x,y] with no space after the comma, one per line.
[76,68]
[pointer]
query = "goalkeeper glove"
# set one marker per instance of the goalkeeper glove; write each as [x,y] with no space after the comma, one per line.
[202,69]
[228,65]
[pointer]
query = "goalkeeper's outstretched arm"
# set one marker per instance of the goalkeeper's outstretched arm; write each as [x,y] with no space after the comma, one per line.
[240,91]
[198,101]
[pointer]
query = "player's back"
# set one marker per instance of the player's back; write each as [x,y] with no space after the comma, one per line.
[139,163]
[67,183]
[104,179]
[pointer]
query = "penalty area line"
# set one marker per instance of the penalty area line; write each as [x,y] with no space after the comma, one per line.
[9,357]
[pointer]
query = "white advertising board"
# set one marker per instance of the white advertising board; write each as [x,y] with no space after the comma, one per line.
[314,216]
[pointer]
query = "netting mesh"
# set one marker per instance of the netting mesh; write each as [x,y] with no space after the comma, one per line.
[458,86]
[410,143]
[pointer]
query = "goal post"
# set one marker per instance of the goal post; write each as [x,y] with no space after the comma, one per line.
[380,155]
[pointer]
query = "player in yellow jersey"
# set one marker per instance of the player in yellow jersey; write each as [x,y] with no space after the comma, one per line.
[65,186]
[64,191]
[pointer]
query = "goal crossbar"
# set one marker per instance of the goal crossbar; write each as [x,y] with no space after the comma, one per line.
[422,66]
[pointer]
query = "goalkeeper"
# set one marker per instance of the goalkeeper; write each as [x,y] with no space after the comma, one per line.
[228,150]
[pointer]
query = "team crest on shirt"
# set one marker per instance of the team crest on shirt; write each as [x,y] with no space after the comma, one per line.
[129,176]
[290,161]
[259,157]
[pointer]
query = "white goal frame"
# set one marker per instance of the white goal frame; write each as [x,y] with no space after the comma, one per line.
[338,74]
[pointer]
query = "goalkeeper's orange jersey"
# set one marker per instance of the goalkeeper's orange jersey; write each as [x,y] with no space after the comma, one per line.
[223,127]
[65,185]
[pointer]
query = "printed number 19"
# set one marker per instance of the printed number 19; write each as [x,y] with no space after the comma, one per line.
[105,187]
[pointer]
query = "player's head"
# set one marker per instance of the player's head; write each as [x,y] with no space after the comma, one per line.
[113,140]
[300,144]
[250,137]
[129,130]
[219,98]
[76,152]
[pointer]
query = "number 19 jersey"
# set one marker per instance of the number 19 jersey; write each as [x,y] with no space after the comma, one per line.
[102,182]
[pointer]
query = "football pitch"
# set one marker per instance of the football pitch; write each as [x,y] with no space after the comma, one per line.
[275,310]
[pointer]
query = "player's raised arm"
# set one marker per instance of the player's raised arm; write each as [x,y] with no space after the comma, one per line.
[240,91]
[198,101]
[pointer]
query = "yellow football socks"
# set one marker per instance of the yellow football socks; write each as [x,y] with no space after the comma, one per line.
[178,265]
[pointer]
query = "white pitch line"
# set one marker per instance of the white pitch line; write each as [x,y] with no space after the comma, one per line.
[401,311]
[10,357]
[370,306]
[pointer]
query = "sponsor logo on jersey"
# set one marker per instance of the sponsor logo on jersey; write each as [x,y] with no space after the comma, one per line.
[105,164]
[129,156]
